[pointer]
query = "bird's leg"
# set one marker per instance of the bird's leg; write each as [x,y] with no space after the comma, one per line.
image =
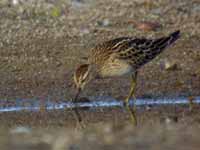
[131,94]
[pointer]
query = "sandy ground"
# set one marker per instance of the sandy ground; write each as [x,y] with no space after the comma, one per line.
[41,43]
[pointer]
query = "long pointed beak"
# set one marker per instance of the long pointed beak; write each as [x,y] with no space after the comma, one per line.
[77,95]
[78,116]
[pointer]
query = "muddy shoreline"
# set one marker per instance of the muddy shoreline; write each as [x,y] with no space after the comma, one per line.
[41,44]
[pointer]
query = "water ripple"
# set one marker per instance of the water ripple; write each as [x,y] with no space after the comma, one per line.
[35,105]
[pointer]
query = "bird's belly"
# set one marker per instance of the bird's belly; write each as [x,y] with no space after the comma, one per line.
[116,68]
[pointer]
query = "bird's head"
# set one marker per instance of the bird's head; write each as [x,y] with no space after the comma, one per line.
[82,76]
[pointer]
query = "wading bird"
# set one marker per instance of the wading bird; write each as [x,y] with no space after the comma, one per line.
[118,57]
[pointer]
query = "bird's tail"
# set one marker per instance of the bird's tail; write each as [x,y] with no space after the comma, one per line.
[162,43]
[158,45]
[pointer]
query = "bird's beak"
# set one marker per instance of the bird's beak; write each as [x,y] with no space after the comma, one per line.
[77,94]
[75,109]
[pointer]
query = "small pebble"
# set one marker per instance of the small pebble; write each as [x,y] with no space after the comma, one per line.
[84,31]
[20,130]
[146,25]
[169,119]
[103,23]
[15,2]
[168,65]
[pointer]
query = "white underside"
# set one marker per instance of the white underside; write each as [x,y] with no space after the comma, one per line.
[117,68]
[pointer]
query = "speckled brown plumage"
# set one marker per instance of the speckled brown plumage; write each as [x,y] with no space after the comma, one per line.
[119,57]
[134,51]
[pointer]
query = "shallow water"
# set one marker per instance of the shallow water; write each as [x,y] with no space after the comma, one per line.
[35,105]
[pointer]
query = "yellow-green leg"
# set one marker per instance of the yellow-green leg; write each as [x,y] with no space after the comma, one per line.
[131,110]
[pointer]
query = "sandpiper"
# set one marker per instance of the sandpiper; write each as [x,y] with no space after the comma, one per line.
[118,57]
